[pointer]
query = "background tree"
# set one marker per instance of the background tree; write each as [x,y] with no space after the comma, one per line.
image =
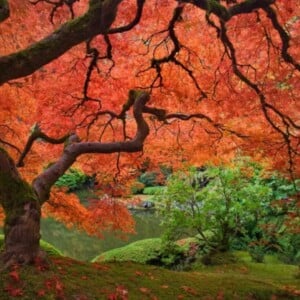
[70,75]
[218,206]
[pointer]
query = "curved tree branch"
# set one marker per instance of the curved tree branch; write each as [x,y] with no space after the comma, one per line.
[43,183]
[225,14]
[4,10]
[10,145]
[38,134]
[97,20]
[285,39]
[162,116]
[249,6]
[171,57]
[135,21]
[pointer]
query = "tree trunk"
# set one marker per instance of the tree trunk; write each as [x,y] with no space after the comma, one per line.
[22,215]
[225,237]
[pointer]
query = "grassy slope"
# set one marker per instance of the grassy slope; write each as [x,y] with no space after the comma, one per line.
[63,278]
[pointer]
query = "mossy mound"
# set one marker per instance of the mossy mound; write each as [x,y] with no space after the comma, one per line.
[141,251]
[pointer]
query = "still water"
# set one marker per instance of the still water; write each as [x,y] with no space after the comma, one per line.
[80,246]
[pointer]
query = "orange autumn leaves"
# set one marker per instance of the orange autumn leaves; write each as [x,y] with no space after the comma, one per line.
[106,214]
[53,96]
[229,101]
[101,215]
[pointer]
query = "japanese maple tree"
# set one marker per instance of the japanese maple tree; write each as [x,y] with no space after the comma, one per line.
[98,82]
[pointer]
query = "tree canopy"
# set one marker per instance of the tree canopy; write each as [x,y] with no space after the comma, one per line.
[186,80]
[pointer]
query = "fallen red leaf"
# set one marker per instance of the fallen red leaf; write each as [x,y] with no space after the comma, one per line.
[220,295]
[41,293]
[48,284]
[138,273]
[122,291]
[100,267]
[40,264]
[58,286]
[14,292]
[112,296]
[189,290]
[14,275]
[144,290]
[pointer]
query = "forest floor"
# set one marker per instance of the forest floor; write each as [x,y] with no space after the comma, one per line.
[64,278]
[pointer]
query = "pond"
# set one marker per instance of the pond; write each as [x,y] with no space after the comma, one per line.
[80,246]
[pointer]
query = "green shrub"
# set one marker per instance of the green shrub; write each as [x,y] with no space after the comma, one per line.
[257,253]
[281,187]
[74,179]
[149,178]
[171,255]
[152,190]
[219,258]
[153,252]
[289,252]
[276,229]
[231,198]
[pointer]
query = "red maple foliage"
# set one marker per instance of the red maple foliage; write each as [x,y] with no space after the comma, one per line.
[94,83]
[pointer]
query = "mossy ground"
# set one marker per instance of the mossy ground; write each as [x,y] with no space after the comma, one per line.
[64,278]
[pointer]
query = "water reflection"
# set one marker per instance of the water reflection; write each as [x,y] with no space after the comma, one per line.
[80,246]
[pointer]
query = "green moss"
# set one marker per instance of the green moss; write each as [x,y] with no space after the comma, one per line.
[12,185]
[69,279]
[75,24]
[140,251]
[134,94]
[16,188]
[218,9]
[50,249]
[14,193]
[95,4]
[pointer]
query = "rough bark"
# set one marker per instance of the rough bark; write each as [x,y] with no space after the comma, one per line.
[97,20]
[224,13]
[22,211]
[4,10]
